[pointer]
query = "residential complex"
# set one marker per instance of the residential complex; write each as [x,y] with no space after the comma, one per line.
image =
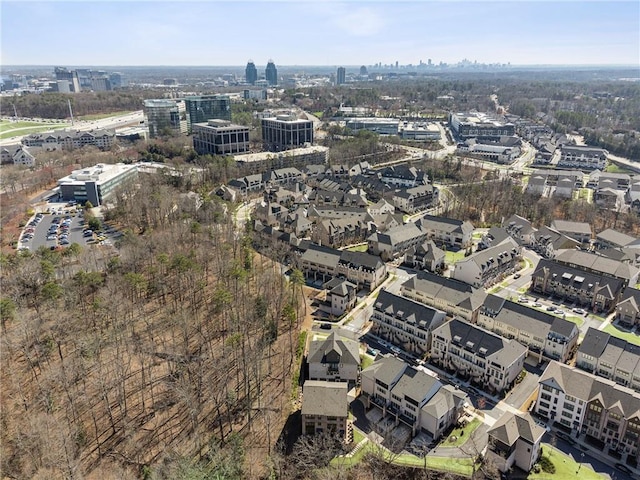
[547,336]
[404,322]
[483,357]
[411,397]
[515,439]
[610,357]
[593,409]
[69,139]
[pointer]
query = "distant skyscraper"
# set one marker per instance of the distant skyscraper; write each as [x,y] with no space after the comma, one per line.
[71,76]
[271,73]
[117,80]
[341,77]
[363,71]
[251,73]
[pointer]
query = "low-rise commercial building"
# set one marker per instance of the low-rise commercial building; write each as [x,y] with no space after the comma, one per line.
[220,137]
[95,184]
[473,124]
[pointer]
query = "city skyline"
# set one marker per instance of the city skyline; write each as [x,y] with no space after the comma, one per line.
[320,33]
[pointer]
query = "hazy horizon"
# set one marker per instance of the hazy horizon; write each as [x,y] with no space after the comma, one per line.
[319,33]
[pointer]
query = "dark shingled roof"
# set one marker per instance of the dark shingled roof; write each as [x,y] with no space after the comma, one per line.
[512,426]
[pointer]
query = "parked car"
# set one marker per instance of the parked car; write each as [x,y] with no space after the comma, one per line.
[517,276]
[523,300]
[623,468]
[579,311]
[325,326]
[536,304]
[540,423]
[550,309]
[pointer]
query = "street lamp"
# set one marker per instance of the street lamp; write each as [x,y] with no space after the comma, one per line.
[581,460]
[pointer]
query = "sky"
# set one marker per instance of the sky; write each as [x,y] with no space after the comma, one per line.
[319,32]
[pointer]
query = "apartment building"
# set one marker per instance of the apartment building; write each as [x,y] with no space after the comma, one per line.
[593,409]
[610,357]
[628,308]
[594,291]
[68,139]
[485,267]
[547,336]
[404,322]
[323,263]
[415,199]
[295,157]
[472,352]
[412,397]
[611,238]
[548,242]
[446,231]
[520,229]
[582,157]
[325,409]
[403,176]
[599,264]
[474,124]
[455,298]
[334,359]
[395,241]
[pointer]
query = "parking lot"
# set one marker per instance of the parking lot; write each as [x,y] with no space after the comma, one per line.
[61,227]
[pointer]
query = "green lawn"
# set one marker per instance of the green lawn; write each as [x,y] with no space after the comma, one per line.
[358,248]
[461,466]
[628,336]
[12,129]
[613,168]
[566,468]
[366,361]
[453,257]
[460,435]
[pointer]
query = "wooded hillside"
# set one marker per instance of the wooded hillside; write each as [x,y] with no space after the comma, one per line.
[170,354]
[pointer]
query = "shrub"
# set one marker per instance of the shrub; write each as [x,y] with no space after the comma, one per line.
[547,465]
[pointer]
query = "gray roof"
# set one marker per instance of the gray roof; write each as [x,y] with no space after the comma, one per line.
[510,427]
[612,350]
[527,319]
[324,398]
[597,263]
[399,234]
[387,369]
[631,296]
[565,226]
[615,238]
[581,278]
[451,291]
[431,222]
[588,387]
[406,310]
[325,351]
[416,385]
[326,257]
[501,253]
[481,342]
[361,260]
